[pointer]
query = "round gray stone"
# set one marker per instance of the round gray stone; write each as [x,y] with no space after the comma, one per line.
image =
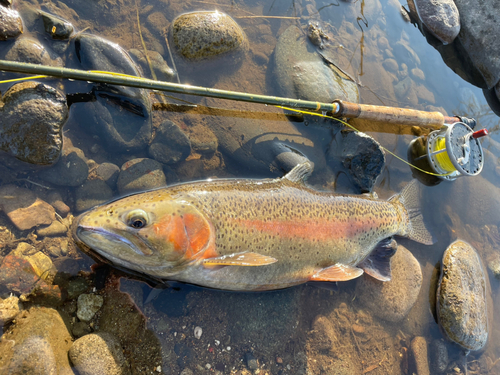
[98,353]
[392,300]
[461,297]
[70,170]
[31,121]
[108,172]
[88,305]
[91,194]
[140,174]
[170,144]
[11,24]
[201,35]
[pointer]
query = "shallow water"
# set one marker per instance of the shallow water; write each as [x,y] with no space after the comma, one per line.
[156,327]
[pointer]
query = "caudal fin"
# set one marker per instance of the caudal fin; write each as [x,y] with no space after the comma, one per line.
[409,198]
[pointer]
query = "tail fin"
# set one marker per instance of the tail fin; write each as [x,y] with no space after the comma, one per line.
[409,198]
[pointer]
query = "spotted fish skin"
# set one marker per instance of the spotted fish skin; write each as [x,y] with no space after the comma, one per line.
[249,234]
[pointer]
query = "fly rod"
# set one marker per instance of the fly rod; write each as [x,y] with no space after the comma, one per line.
[338,108]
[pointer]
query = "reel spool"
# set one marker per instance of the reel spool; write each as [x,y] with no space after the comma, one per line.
[452,151]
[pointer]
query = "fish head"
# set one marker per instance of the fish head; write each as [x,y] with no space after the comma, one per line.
[150,233]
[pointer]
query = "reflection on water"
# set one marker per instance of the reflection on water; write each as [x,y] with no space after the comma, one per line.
[301,330]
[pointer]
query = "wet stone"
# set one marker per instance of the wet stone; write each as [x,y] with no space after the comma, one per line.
[81,329]
[38,344]
[70,170]
[55,229]
[120,115]
[157,22]
[31,122]
[9,308]
[162,71]
[91,194]
[17,275]
[98,353]
[76,287]
[418,74]
[440,17]
[140,174]
[201,35]
[88,305]
[41,263]
[11,24]
[32,51]
[439,355]
[57,27]
[461,297]
[303,74]
[56,201]
[108,172]
[419,351]
[25,210]
[170,144]
[390,65]
[392,300]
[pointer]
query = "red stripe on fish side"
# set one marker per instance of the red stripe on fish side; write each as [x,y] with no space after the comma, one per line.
[312,229]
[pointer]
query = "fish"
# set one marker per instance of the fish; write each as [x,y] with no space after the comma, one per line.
[252,235]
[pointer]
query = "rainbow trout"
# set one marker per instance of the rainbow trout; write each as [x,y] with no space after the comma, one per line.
[252,234]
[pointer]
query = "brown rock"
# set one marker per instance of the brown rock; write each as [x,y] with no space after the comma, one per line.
[419,352]
[11,24]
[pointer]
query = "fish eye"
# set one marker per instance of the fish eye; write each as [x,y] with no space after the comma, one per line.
[137,219]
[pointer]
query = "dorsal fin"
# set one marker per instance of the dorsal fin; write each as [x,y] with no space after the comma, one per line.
[300,173]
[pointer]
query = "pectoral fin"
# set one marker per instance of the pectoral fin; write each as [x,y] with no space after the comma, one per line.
[378,263]
[240,259]
[337,272]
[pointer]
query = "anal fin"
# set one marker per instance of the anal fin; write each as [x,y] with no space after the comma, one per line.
[240,259]
[378,263]
[337,272]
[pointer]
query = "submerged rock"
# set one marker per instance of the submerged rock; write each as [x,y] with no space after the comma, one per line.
[32,51]
[88,306]
[120,115]
[461,297]
[11,24]
[108,172]
[9,308]
[70,170]
[170,144]
[98,353]
[302,73]
[91,194]
[392,300]
[202,35]
[420,356]
[140,174]
[57,27]
[161,69]
[31,122]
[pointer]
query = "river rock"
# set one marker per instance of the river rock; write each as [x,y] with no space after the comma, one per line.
[88,305]
[9,308]
[390,65]
[56,201]
[92,193]
[32,51]
[361,155]
[439,355]
[392,300]
[120,115]
[420,356]
[98,353]
[41,263]
[55,26]
[302,73]
[170,144]
[140,174]
[37,344]
[70,170]
[108,172]
[17,275]
[161,69]
[31,122]
[440,17]
[11,24]
[24,209]
[461,297]
[204,35]
[55,229]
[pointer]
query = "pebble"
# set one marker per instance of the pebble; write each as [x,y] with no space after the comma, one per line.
[76,287]
[98,353]
[392,300]
[24,209]
[37,344]
[108,172]
[418,74]
[140,174]
[57,27]
[70,170]
[41,263]
[162,71]
[88,306]
[251,361]
[405,54]
[439,355]
[170,145]
[461,297]
[390,65]
[92,193]
[440,17]
[424,94]
[202,35]
[419,351]
[32,51]
[56,201]
[55,229]
[31,122]
[383,43]
[9,308]
[11,24]
[157,22]
[198,332]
